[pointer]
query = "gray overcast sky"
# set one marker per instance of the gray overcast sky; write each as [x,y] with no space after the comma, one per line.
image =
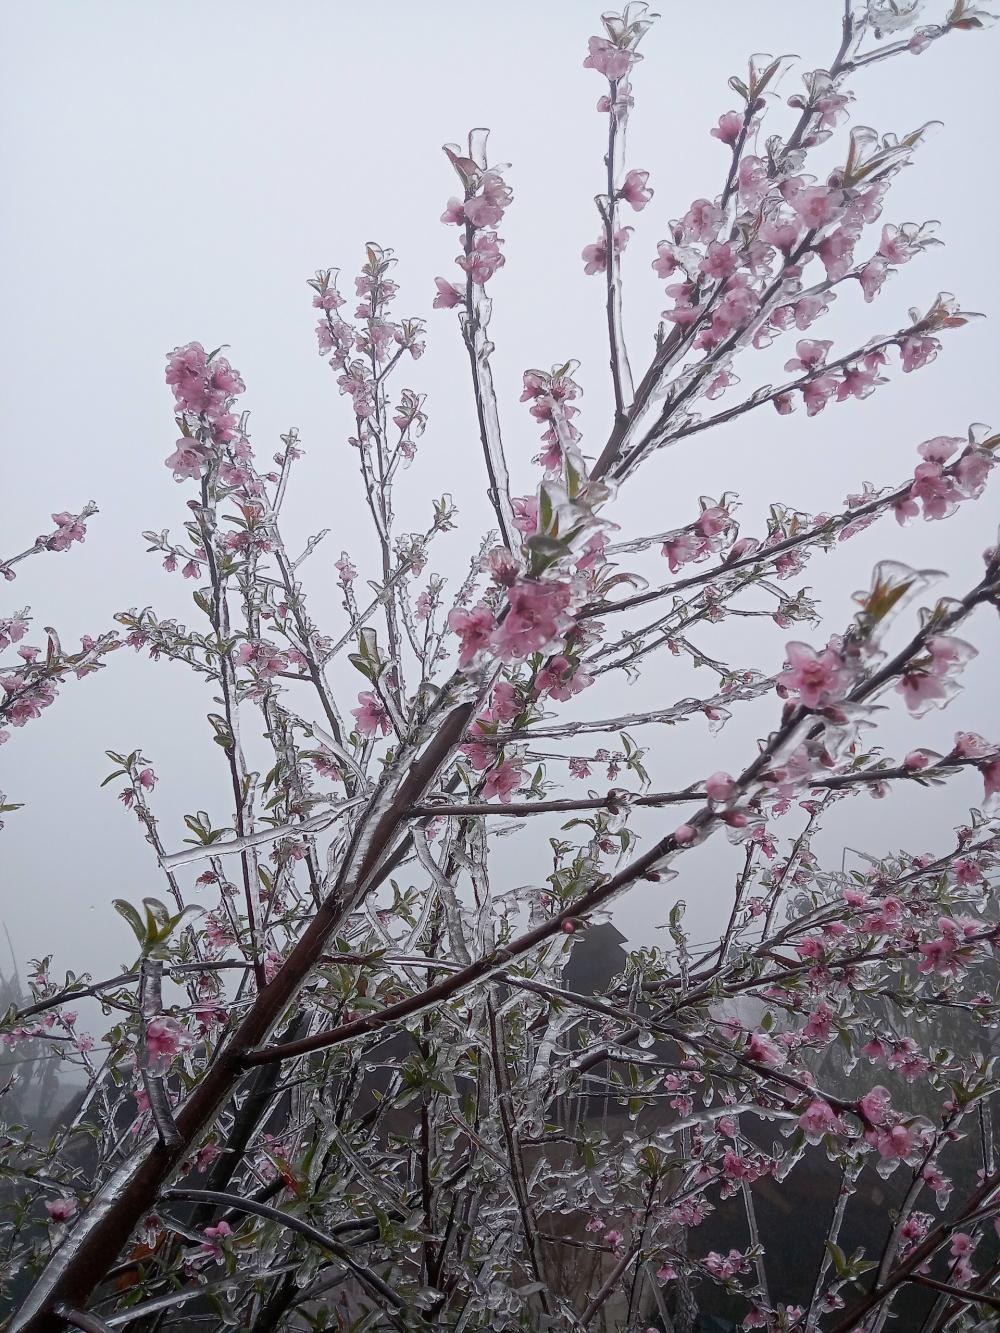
[176,171]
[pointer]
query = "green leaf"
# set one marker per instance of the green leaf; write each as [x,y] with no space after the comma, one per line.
[133,918]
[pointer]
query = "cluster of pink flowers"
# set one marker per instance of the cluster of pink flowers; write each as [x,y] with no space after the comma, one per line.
[376,340]
[203,389]
[725,269]
[725,1266]
[706,536]
[818,1120]
[957,946]
[887,1131]
[536,617]
[502,781]
[551,396]
[487,196]
[13,629]
[938,489]
[561,678]
[505,705]
[25,699]
[191,569]
[69,528]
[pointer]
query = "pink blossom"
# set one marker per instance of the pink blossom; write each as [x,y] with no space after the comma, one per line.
[856,382]
[808,308]
[478,756]
[720,260]
[345,570]
[943,954]
[970,745]
[454,214]
[761,1048]
[201,387]
[448,295]
[635,190]
[935,490]
[186,368]
[991,779]
[966,872]
[971,472]
[483,258]
[12,630]
[719,383]
[525,514]
[684,311]
[610,60]
[221,1231]
[165,1038]
[782,233]
[739,301]
[820,1023]
[684,834]
[189,460]
[595,257]
[535,618]
[505,702]
[622,102]
[562,678]
[836,250]
[68,530]
[721,1266]
[502,781]
[818,392]
[593,552]
[474,629]
[720,787]
[683,549]
[729,127]
[372,717]
[895,247]
[61,1209]
[871,278]
[895,1142]
[486,208]
[816,678]
[752,181]
[809,354]
[916,760]
[917,351]
[874,1106]
[701,221]
[816,205]
[666,262]
[818,1120]
[929,681]
[905,509]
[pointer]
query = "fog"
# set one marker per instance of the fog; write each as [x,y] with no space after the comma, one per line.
[177,171]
